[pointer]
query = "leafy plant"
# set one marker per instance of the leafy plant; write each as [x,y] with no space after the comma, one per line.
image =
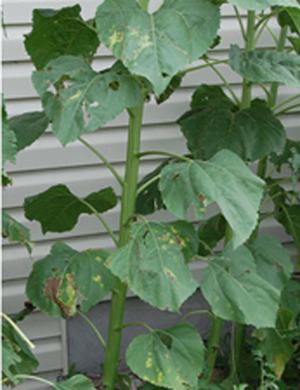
[248,281]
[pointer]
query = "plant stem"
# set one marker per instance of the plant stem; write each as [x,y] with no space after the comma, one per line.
[286,109]
[230,90]
[103,159]
[280,48]
[208,64]
[36,378]
[240,20]
[195,312]
[249,46]
[101,219]
[18,330]
[98,334]
[162,153]
[127,209]
[137,324]
[145,185]
[284,102]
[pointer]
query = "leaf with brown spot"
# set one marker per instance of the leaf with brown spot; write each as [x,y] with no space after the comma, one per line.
[66,278]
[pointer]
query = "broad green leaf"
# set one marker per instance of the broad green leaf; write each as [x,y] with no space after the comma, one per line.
[9,145]
[16,355]
[58,209]
[289,217]
[56,33]
[224,179]
[187,237]
[15,231]
[262,4]
[214,124]
[178,33]
[66,277]
[77,382]
[266,66]
[210,232]
[272,260]
[290,298]
[236,292]
[153,266]
[28,127]
[290,16]
[85,100]
[172,358]
[278,350]
[295,41]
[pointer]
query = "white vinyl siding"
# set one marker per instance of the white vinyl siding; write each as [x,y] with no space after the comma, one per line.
[46,163]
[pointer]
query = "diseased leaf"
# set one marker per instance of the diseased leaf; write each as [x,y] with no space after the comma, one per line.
[236,292]
[290,16]
[77,382]
[289,217]
[171,88]
[186,236]
[28,127]
[85,100]
[224,179]
[266,66]
[58,209]
[15,231]
[286,156]
[272,260]
[277,349]
[262,4]
[214,123]
[177,34]
[66,277]
[210,232]
[56,33]
[153,266]
[172,358]
[16,355]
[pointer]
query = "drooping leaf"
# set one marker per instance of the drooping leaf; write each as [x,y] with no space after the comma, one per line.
[58,209]
[149,200]
[66,277]
[9,145]
[277,349]
[186,236]
[262,4]
[289,217]
[214,124]
[85,100]
[291,149]
[171,358]
[77,382]
[153,266]
[56,33]
[15,231]
[272,260]
[224,179]
[290,16]
[176,34]
[210,232]
[295,41]
[236,292]
[171,88]
[28,127]
[266,66]
[16,355]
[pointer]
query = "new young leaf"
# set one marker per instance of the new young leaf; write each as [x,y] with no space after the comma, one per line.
[178,33]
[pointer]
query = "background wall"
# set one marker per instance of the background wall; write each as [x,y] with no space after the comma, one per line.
[46,163]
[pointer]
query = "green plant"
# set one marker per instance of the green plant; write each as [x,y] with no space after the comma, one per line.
[248,283]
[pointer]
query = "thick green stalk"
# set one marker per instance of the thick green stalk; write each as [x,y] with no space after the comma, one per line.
[280,48]
[127,209]
[249,46]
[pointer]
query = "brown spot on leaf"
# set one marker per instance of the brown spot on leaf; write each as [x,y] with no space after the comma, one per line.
[202,198]
[51,291]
